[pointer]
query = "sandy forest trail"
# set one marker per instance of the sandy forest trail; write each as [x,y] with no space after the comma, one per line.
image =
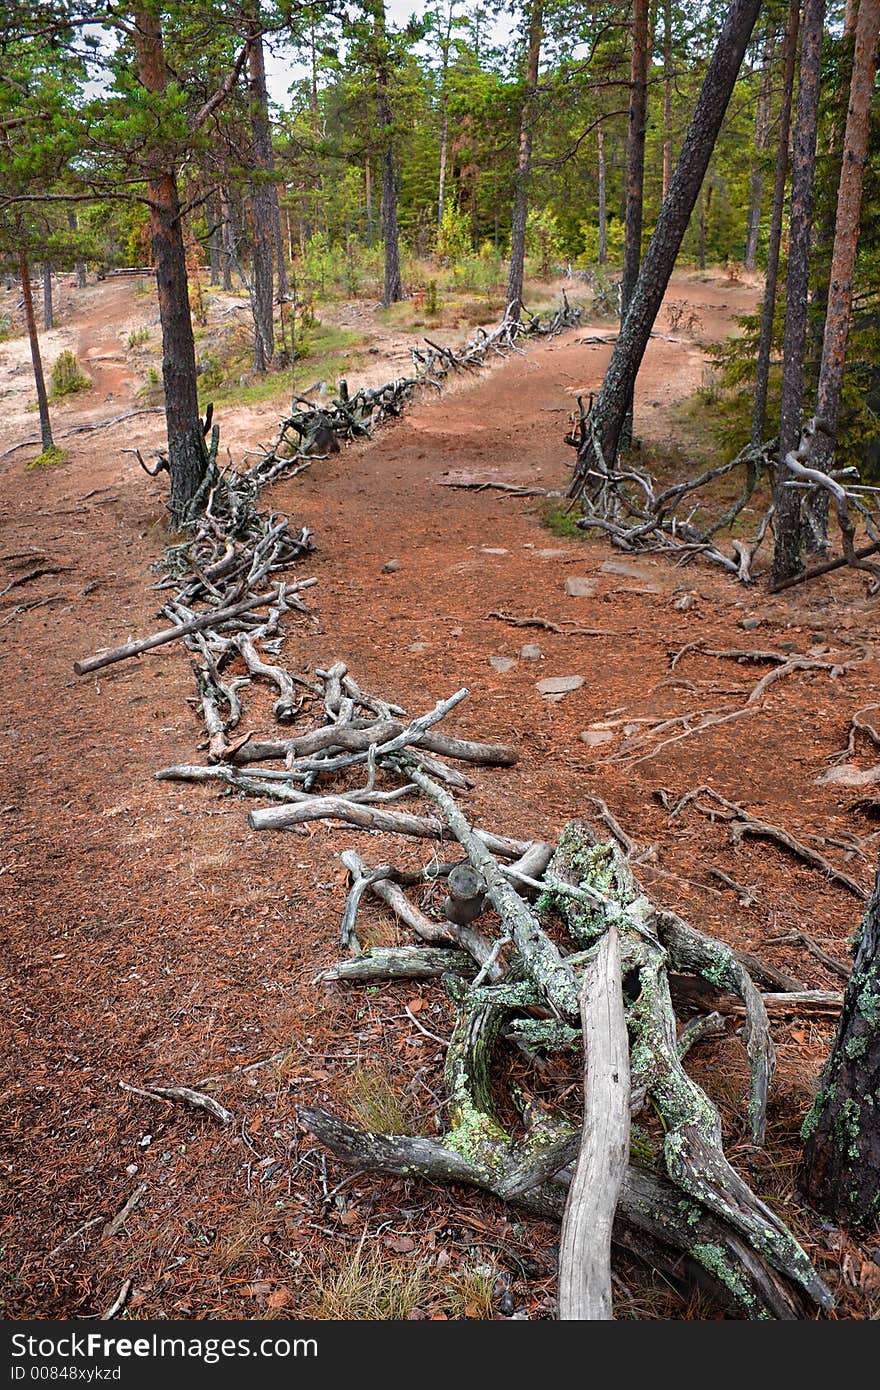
[151,937]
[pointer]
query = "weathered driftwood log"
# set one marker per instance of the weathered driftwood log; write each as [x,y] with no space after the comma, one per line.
[360,735]
[469,938]
[692,1144]
[145,644]
[691,951]
[288,705]
[585,1240]
[371,818]
[540,956]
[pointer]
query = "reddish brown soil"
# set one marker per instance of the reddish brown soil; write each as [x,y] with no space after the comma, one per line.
[152,938]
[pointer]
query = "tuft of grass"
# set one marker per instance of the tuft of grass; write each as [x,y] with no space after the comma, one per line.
[138,336]
[470,1293]
[67,378]
[48,458]
[374,1103]
[558,520]
[369,1287]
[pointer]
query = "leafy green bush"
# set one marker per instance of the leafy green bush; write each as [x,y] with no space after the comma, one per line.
[614,233]
[454,236]
[67,378]
[543,242]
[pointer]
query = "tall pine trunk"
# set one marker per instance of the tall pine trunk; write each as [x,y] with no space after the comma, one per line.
[611,405]
[771,276]
[393,285]
[214,223]
[187,455]
[524,162]
[762,127]
[667,95]
[602,253]
[227,247]
[787,552]
[48,308]
[263,206]
[846,233]
[445,43]
[635,172]
[36,359]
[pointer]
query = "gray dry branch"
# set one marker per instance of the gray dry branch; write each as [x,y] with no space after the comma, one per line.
[533,992]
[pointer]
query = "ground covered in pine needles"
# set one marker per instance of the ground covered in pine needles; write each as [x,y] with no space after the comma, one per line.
[152,939]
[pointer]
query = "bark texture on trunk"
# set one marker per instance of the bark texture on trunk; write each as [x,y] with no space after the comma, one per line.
[524,162]
[36,359]
[610,408]
[264,205]
[602,254]
[635,150]
[765,344]
[48,309]
[187,455]
[787,552]
[667,95]
[214,223]
[635,175]
[762,128]
[227,249]
[846,229]
[842,1131]
[393,288]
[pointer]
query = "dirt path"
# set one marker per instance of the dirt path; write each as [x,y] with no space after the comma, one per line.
[149,936]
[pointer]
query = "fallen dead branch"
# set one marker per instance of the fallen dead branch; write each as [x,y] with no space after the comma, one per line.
[185,1096]
[568,630]
[123,1214]
[741,824]
[171,634]
[600,1169]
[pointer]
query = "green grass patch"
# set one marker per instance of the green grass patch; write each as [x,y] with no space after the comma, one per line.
[48,458]
[559,520]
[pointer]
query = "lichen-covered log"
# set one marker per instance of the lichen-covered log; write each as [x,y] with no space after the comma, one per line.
[842,1130]
[692,1127]
[653,1222]
[403,963]
[691,950]
[541,957]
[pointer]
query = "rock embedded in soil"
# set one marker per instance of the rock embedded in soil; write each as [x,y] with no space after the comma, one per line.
[531,652]
[593,737]
[624,569]
[849,775]
[502,663]
[390,566]
[559,685]
[580,586]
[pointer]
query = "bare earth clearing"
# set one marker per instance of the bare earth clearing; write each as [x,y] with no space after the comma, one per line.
[150,937]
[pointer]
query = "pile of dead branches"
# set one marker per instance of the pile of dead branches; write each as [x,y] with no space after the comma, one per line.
[622,501]
[315,430]
[543,949]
